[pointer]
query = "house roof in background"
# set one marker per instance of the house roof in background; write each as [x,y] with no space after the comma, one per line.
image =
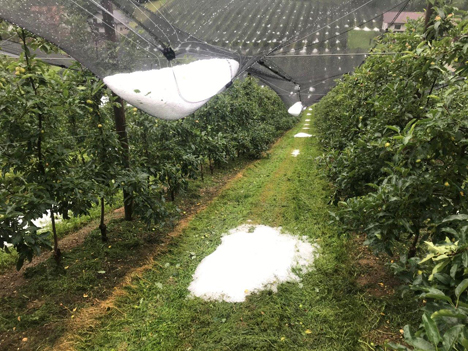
[403,17]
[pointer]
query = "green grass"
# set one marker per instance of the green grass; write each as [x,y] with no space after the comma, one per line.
[361,39]
[154,5]
[7,260]
[51,295]
[157,313]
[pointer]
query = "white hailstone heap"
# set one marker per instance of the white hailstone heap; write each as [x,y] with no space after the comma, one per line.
[251,259]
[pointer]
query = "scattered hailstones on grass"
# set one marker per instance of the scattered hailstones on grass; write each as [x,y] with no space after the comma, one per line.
[302,135]
[250,259]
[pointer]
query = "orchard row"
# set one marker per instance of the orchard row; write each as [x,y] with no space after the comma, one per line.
[396,140]
[60,153]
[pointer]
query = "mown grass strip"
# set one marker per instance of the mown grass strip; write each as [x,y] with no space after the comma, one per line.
[326,311]
[38,306]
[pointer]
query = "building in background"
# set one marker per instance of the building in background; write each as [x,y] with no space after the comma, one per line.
[121,23]
[396,22]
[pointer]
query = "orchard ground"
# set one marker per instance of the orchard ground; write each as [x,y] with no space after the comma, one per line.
[132,292]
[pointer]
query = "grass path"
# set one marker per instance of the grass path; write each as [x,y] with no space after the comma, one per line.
[41,304]
[12,279]
[327,311]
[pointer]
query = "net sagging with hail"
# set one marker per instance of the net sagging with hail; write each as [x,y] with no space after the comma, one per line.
[169,58]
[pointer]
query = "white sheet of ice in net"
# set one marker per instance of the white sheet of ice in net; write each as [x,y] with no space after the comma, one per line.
[295,109]
[248,262]
[174,92]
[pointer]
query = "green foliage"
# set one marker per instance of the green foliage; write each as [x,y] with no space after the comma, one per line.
[441,280]
[156,313]
[60,154]
[38,172]
[244,121]
[397,155]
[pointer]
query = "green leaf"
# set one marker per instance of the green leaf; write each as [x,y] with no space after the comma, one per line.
[19,263]
[394,128]
[443,278]
[427,258]
[396,346]
[450,230]
[451,336]
[447,313]
[421,344]
[438,296]
[461,287]
[465,259]
[441,257]
[440,266]
[453,270]
[464,343]
[432,331]
[408,335]
[458,217]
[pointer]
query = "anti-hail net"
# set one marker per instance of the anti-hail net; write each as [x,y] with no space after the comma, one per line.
[169,57]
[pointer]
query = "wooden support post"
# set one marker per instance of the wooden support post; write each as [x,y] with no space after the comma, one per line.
[429,12]
[119,111]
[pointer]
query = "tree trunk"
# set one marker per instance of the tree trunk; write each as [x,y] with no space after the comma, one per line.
[414,245]
[108,20]
[429,12]
[103,226]
[119,112]
[82,158]
[120,126]
[57,253]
